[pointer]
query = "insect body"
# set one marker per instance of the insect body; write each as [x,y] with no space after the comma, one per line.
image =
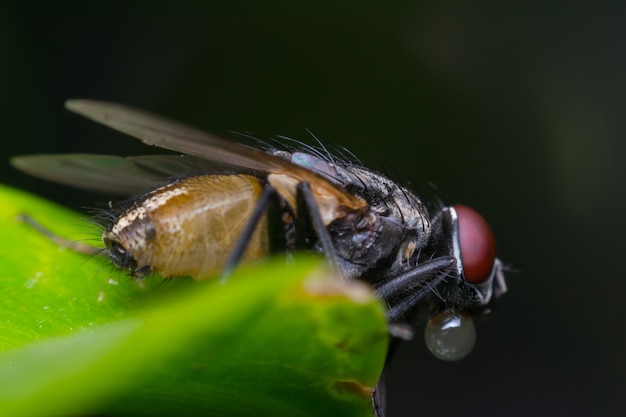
[223,202]
[188,227]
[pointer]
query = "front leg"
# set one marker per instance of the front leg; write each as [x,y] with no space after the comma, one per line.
[403,292]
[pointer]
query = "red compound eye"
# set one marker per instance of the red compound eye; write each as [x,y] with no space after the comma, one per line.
[478,250]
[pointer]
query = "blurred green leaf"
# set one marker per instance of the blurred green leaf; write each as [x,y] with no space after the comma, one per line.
[78,337]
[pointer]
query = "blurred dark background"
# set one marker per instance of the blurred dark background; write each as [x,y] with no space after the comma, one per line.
[515,109]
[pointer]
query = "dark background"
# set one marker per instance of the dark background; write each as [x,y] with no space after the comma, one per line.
[516,111]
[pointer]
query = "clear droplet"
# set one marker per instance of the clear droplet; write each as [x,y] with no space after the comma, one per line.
[450,335]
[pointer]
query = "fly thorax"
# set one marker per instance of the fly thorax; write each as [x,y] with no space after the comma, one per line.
[404,228]
[354,238]
[389,232]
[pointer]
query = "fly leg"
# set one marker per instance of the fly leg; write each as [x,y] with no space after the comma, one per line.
[379,396]
[407,289]
[269,203]
[309,223]
[58,240]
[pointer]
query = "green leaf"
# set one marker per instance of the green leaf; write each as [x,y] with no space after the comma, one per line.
[77,337]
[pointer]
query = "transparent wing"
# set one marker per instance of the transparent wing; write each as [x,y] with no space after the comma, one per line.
[109,174]
[158,131]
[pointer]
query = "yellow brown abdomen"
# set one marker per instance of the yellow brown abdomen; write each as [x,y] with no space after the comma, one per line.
[189,227]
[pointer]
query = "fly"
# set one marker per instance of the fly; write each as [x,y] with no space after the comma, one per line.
[238,202]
